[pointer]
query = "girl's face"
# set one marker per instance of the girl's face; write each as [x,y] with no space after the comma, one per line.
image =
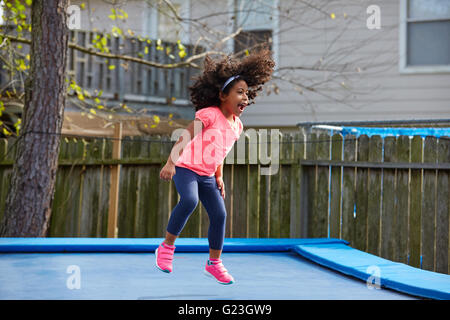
[236,100]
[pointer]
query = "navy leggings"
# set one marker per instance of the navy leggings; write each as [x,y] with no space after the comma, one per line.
[192,187]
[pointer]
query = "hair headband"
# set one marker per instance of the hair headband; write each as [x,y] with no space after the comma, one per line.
[228,81]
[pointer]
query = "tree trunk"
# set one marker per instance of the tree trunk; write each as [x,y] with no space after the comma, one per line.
[28,204]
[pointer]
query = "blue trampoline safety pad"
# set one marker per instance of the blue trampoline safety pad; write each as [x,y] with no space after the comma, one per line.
[150,244]
[334,254]
[368,267]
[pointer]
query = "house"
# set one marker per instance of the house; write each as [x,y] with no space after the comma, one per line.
[336,61]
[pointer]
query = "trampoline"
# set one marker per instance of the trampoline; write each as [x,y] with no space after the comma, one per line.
[264,269]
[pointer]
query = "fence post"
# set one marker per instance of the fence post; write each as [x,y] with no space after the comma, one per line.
[114,187]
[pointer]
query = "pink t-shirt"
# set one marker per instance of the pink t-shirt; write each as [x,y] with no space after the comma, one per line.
[208,149]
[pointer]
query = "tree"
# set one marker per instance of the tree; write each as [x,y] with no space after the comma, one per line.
[28,205]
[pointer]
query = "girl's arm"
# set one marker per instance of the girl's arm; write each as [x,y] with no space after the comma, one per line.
[219,171]
[219,180]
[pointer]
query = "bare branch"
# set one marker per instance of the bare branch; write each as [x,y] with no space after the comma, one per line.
[189,62]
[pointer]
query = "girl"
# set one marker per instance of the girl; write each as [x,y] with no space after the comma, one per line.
[220,95]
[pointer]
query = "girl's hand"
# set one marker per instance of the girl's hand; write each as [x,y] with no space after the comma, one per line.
[167,172]
[221,186]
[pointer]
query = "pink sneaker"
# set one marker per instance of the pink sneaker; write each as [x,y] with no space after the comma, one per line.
[216,269]
[164,257]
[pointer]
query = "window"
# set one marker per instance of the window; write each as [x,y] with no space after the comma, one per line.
[424,36]
[259,22]
[252,40]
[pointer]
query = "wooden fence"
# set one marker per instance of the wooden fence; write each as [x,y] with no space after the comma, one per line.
[389,197]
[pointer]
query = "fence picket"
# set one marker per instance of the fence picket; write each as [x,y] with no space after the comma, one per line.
[264,202]
[429,205]
[143,191]
[240,194]
[3,178]
[361,195]
[285,172]
[253,201]
[75,179]
[374,196]
[274,200]
[336,187]
[349,192]
[401,210]
[58,218]
[321,205]
[90,206]
[443,208]
[296,219]
[415,209]
[388,218]
[228,181]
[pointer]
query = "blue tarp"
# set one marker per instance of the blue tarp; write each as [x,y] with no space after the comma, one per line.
[385,132]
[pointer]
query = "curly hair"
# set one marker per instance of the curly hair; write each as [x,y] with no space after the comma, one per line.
[255,69]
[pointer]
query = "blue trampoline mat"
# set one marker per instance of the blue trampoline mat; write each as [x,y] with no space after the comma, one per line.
[39,268]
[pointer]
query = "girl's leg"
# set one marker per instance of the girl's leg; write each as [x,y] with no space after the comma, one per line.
[214,204]
[170,239]
[214,254]
[187,187]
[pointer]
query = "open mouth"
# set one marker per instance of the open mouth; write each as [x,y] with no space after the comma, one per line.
[241,106]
